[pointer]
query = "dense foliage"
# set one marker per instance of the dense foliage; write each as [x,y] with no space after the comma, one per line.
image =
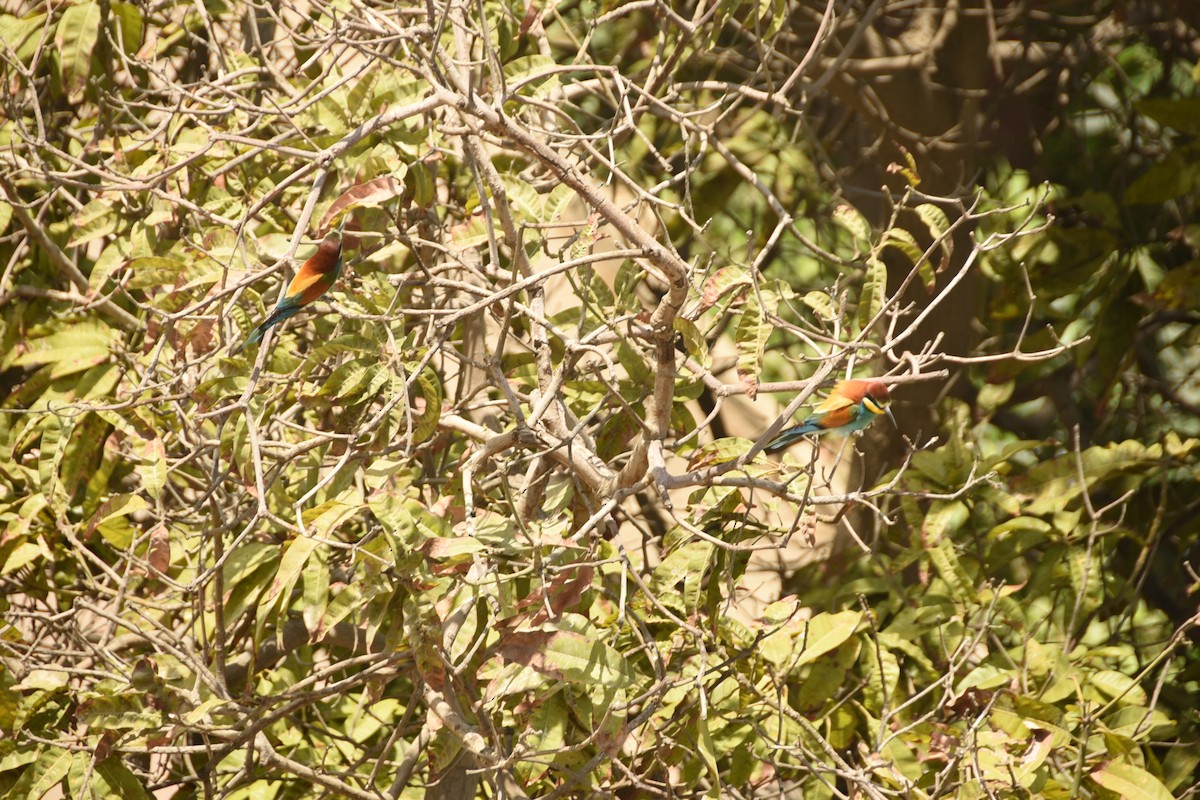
[492,517]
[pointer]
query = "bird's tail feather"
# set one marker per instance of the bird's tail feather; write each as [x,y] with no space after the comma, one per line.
[276,316]
[790,435]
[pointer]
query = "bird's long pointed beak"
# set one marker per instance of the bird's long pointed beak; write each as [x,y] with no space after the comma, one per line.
[892,417]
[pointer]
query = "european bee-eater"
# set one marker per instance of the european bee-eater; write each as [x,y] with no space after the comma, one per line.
[851,406]
[313,279]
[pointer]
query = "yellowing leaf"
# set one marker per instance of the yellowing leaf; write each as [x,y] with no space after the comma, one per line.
[753,330]
[723,282]
[1132,783]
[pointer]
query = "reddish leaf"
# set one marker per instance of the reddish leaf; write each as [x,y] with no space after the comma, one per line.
[374,192]
[158,555]
[564,593]
[722,282]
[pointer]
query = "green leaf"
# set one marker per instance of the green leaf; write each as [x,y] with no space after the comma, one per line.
[943,519]
[708,753]
[427,402]
[421,184]
[908,169]
[821,684]
[718,452]
[693,341]
[246,569]
[632,361]
[1130,782]
[295,556]
[882,670]
[1170,178]
[531,75]
[593,291]
[143,273]
[945,561]
[874,291]
[550,723]
[70,350]
[112,779]
[21,555]
[689,562]
[347,380]
[44,774]
[23,35]
[1119,686]
[111,519]
[316,588]
[903,241]
[821,304]
[934,218]
[350,599]
[1180,113]
[56,435]
[853,221]
[532,206]
[1055,482]
[94,221]
[76,37]
[127,24]
[153,465]
[825,632]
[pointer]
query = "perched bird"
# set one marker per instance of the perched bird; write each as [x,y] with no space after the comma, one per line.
[851,406]
[312,280]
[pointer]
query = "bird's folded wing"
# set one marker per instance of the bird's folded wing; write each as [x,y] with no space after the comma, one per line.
[304,282]
[835,401]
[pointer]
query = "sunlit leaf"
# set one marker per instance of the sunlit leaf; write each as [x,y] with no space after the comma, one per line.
[724,282]
[97,219]
[753,330]
[873,294]
[128,26]
[853,221]
[76,37]
[1130,782]
[567,655]
[825,632]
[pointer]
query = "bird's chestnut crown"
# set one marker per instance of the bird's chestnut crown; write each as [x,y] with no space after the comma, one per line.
[877,397]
